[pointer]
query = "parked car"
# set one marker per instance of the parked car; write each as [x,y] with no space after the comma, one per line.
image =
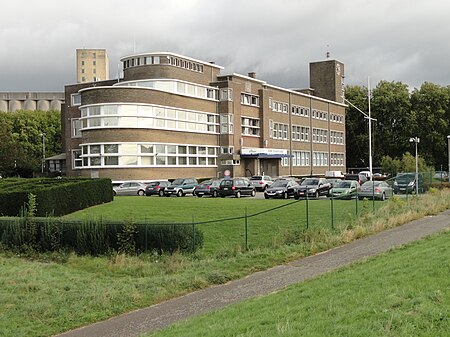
[334,174]
[375,190]
[180,187]
[261,182]
[441,175]
[360,178]
[156,188]
[406,183]
[207,187]
[313,187]
[344,189]
[281,188]
[237,187]
[129,188]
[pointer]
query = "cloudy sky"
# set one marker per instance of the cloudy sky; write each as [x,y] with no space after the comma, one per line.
[393,40]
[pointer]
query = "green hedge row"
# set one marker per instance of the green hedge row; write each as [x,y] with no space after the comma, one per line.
[96,237]
[53,196]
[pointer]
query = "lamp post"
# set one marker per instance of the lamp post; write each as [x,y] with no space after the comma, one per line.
[416,140]
[43,151]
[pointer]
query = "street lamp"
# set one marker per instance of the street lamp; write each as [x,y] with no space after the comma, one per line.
[43,151]
[417,141]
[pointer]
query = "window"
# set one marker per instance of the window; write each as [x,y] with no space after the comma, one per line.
[226,124]
[278,106]
[226,94]
[76,99]
[278,130]
[227,150]
[76,158]
[247,99]
[250,126]
[76,126]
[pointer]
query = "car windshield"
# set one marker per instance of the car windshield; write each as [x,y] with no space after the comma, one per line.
[370,183]
[177,181]
[342,184]
[256,178]
[154,184]
[310,181]
[206,183]
[280,183]
[405,177]
[226,183]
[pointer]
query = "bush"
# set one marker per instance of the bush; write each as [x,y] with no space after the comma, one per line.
[53,196]
[95,237]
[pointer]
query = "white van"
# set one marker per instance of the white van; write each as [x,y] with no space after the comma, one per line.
[334,174]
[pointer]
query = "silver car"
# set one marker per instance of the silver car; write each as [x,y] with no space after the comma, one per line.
[261,183]
[130,188]
[375,189]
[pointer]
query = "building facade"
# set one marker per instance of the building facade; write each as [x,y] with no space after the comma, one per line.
[92,65]
[173,116]
[45,101]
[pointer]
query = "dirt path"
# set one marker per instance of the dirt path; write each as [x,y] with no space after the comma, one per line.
[262,283]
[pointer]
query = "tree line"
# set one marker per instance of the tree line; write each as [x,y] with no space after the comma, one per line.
[400,114]
[21,141]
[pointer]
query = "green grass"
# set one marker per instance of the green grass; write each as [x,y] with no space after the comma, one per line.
[43,294]
[263,230]
[405,292]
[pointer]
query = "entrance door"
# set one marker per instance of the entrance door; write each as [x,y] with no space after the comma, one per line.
[270,167]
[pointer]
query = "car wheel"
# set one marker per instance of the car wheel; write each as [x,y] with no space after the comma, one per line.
[179,193]
[266,196]
[238,194]
[383,197]
[114,193]
[253,193]
[316,195]
[198,195]
[285,195]
[296,197]
[161,193]
[141,193]
[214,194]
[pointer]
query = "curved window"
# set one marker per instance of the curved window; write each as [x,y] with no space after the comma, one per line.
[147,117]
[176,87]
[145,155]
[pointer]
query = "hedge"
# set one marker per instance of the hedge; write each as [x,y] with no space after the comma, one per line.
[53,196]
[96,237]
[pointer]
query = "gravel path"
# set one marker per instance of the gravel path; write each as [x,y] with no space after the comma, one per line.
[137,322]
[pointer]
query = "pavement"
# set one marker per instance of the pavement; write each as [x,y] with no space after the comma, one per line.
[158,316]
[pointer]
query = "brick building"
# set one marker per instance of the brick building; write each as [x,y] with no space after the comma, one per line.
[173,116]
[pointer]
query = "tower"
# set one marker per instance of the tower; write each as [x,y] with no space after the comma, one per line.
[327,79]
[92,65]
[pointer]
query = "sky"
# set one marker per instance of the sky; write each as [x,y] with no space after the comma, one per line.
[391,40]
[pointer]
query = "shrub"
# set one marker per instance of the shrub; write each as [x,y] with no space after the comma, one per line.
[95,237]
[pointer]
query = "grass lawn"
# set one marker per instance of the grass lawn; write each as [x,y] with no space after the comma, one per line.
[43,294]
[405,292]
[263,229]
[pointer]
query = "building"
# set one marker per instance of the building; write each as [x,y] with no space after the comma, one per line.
[45,101]
[173,116]
[92,65]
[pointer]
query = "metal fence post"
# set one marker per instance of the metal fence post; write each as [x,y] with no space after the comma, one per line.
[193,233]
[246,228]
[356,202]
[332,212]
[307,211]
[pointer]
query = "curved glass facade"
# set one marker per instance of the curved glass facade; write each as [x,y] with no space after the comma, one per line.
[147,116]
[176,87]
[147,155]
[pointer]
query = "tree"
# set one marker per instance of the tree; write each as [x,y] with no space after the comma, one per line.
[357,137]
[431,109]
[394,125]
[21,140]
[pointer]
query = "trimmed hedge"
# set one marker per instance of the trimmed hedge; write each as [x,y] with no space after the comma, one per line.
[96,237]
[53,196]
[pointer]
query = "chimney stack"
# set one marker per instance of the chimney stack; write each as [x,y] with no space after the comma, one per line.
[252,74]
